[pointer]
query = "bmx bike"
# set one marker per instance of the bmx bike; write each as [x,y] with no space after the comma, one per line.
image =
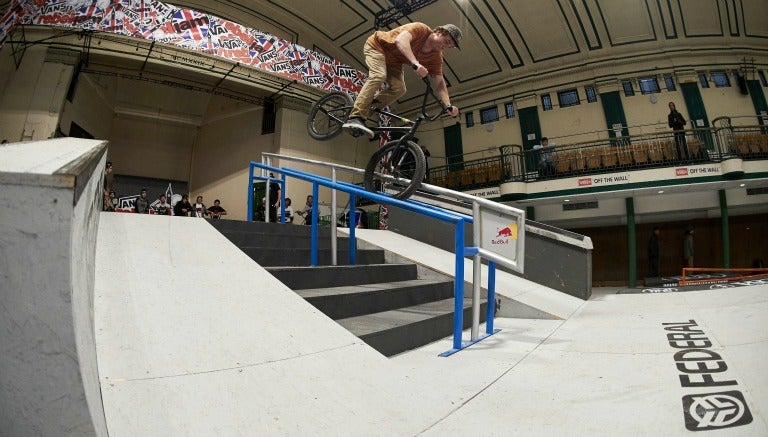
[399,166]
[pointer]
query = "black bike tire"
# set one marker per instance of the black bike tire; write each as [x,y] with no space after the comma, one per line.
[335,130]
[372,168]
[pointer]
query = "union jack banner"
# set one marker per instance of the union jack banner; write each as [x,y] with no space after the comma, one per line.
[189,29]
[384,121]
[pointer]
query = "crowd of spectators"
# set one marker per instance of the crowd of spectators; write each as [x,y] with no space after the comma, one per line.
[142,204]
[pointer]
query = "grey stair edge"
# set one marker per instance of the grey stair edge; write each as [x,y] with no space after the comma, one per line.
[347,266]
[367,288]
[396,318]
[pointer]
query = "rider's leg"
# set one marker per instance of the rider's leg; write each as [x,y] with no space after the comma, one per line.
[394,91]
[377,74]
[361,110]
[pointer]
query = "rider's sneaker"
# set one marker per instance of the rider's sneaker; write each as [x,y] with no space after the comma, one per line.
[356,126]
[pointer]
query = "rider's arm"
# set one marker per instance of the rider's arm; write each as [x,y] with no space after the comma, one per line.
[441,90]
[403,43]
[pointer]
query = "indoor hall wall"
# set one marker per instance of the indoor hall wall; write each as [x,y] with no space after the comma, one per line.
[144,147]
[32,97]
[91,108]
[726,101]
[228,140]
[610,256]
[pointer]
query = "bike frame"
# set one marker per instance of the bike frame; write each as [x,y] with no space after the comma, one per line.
[413,125]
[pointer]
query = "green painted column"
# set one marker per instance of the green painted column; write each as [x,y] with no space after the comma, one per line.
[530,213]
[631,241]
[725,229]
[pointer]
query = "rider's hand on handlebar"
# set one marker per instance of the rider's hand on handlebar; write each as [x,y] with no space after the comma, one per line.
[453,111]
[422,71]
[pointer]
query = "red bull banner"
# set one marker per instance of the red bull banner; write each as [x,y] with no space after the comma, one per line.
[191,30]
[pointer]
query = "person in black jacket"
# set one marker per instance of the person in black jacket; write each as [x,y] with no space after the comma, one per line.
[183,207]
[653,252]
[677,122]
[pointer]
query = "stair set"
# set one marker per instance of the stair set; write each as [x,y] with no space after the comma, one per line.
[387,305]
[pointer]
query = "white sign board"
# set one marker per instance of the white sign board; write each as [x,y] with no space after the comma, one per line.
[531,137]
[499,233]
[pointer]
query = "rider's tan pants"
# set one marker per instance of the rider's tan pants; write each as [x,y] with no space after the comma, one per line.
[378,74]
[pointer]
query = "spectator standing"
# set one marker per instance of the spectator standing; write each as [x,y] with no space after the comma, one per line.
[216,211]
[546,160]
[677,122]
[109,181]
[274,198]
[110,203]
[653,252]
[198,209]
[163,207]
[288,210]
[306,212]
[141,204]
[688,247]
[183,207]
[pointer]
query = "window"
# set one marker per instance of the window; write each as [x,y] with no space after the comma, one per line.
[762,78]
[591,94]
[649,85]
[670,82]
[703,80]
[488,115]
[546,102]
[470,118]
[568,98]
[628,90]
[509,109]
[720,79]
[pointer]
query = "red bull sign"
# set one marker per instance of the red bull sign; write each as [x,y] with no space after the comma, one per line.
[502,233]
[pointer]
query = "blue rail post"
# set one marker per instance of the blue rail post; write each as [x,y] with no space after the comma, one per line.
[282,198]
[458,306]
[250,192]
[352,222]
[315,220]
[491,308]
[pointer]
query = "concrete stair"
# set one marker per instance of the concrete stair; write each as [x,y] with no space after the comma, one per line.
[387,305]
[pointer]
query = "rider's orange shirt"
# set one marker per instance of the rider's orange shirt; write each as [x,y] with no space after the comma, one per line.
[385,43]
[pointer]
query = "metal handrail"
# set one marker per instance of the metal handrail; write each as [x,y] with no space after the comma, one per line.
[459,220]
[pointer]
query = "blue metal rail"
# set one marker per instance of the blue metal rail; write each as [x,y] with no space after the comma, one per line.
[355,192]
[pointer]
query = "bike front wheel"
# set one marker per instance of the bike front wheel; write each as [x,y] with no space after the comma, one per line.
[396,169]
[328,114]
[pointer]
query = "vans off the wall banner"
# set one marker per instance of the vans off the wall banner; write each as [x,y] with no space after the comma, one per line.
[189,29]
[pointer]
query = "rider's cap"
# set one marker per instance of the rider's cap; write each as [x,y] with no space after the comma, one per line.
[452,30]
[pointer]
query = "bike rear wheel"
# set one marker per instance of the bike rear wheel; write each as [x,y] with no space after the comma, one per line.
[328,114]
[396,169]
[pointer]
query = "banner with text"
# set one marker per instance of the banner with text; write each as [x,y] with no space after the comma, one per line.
[188,29]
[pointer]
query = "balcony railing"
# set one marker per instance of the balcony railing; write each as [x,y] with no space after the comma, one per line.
[742,137]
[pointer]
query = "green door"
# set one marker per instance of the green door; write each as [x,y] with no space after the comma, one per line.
[453,148]
[530,129]
[758,100]
[615,120]
[697,114]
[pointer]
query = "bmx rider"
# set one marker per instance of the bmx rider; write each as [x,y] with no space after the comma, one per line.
[414,44]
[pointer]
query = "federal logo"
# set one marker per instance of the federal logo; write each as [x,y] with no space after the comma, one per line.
[705,412]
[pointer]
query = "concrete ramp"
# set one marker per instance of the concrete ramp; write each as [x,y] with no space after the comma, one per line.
[194,338]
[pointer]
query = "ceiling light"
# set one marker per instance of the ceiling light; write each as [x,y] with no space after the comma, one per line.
[742,185]
[566,200]
[661,191]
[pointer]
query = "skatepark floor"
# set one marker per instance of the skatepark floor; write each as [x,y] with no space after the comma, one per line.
[216,347]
